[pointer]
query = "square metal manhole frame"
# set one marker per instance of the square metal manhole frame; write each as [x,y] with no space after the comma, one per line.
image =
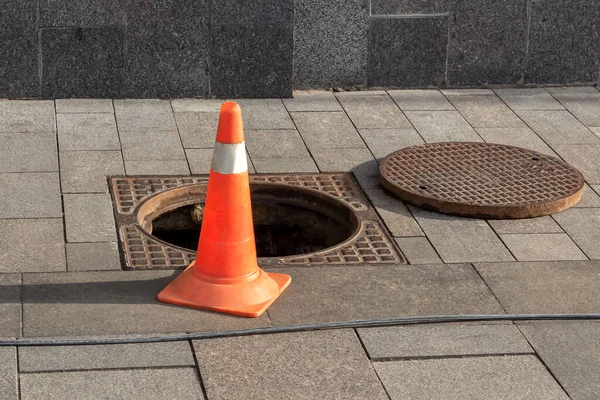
[141,251]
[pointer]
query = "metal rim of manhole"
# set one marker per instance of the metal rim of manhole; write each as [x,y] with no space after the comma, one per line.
[139,198]
[482,180]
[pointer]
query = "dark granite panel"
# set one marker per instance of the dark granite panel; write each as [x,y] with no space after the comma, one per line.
[83,62]
[408,52]
[251,61]
[396,7]
[564,42]
[487,42]
[167,48]
[330,43]
[232,12]
[81,12]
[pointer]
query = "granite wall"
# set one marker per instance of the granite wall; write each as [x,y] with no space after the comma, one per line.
[266,48]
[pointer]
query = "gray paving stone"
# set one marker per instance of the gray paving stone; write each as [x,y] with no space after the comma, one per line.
[520,137]
[418,250]
[89,218]
[394,214]
[112,303]
[92,256]
[583,226]
[570,351]
[466,92]
[590,198]
[157,167]
[312,100]
[485,111]
[81,13]
[542,247]
[87,131]
[382,142]
[10,307]
[199,160]
[27,116]
[458,239]
[327,130]
[197,129]
[372,110]
[582,102]
[358,161]
[399,7]
[272,143]
[584,158]
[150,384]
[8,373]
[32,245]
[546,287]
[144,115]
[535,99]
[498,378]
[442,126]
[595,130]
[420,100]
[265,114]
[543,224]
[84,106]
[438,340]
[558,127]
[308,365]
[28,152]
[195,105]
[321,294]
[86,171]
[151,146]
[30,195]
[135,355]
[280,164]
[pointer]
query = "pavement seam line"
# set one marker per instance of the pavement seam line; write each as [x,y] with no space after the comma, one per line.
[197,370]
[187,161]
[369,360]
[449,356]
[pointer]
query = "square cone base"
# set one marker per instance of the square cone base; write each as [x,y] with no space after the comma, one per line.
[246,298]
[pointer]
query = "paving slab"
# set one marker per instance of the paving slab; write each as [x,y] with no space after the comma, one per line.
[590,198]
[151,146]
[30,195]
[282,164]
[87,132]
[275,143]
[358,161]
[93,256]
[312,100]
[558,127]
[28,152]
[570,351]
[382,142]
[421,100]
[442,126]
[543,224]
[584,158]
[10,306]
[8,373]
[583,226]
[459,239]
[328,130]
[200,160]
[32,245]
[520,137]
[501,378]
[418,250]
[84,106]
[265,114]
[157,167]
[196,105]
[86,171]
[546,287]
[89,218]
[439,340]
[121,356]
[146,384]
[144,115]
[372,110]
[542,247]
[198,130]
[582,102]
[485,111]
[324,294]
[394,214]
[304,365]
[112,303]
[27,116]
[534,99]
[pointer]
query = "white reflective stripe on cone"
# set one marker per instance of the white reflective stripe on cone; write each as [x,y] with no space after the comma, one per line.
[229,158]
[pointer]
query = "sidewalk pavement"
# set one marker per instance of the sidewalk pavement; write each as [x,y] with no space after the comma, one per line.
[60,272]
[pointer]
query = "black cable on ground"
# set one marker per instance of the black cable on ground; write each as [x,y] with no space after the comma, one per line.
[367,323]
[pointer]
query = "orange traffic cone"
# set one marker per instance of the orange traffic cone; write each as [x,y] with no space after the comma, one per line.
[225,276]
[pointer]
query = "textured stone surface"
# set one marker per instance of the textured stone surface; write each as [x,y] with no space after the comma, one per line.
[583,226]
[144,115]
[330,43]
[570,351]
[83,62]
[407,52]
[327,130]
[485,111]
[135,355]
[564,42]
[381,292]
[17,191]
[255,12]
[157,167]
[62,13]
[487,42]
[10,307]
[582,102]
[312,100]
[278,151]
[542,247]
[394,214]
[195,105]
[32,245]
[372,110]
[199,160]
[151,384]
[520,137]
[498,378]
[89,218]
[111,303]
[382,142]
[418,250]
[584,158]
[28,152]
[544,287]
[398,7]
[151,146]
[359,161]
[8,373]
[84,106]
[420,100]
[589,199]
[87,131]
[558,127]
[529,99]
[86,171]
[443,340]
[32,116]
[320,364]
[442,126]
[92,256]
[265,114]
[543,224]
[197,129]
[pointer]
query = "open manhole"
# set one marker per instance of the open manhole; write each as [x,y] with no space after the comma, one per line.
[299,219]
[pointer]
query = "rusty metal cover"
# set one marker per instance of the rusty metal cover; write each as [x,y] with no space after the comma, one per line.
[141,250]
[481,180]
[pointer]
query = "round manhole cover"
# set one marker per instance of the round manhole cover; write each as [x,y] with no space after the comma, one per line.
[481,180]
